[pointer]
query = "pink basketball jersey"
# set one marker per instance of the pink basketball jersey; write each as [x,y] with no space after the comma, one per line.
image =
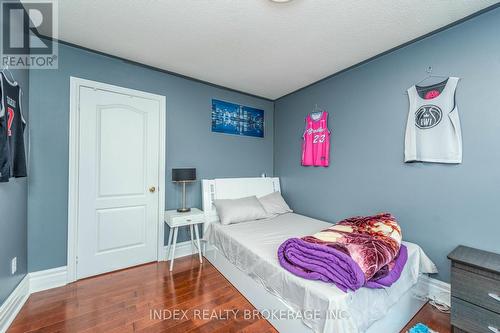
[316,144]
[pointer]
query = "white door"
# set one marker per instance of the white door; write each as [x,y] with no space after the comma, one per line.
[118,177]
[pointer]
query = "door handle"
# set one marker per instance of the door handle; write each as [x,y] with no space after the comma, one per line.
[152,189]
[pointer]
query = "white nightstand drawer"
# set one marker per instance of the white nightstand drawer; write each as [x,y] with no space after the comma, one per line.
[181,220]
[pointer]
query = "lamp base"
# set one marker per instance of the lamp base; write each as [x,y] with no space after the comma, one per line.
[183,210]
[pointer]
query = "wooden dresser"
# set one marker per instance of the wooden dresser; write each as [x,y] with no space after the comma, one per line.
[475,291]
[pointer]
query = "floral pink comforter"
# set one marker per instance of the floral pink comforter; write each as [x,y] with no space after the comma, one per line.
[358,251]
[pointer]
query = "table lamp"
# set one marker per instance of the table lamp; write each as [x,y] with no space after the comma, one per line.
[183,176]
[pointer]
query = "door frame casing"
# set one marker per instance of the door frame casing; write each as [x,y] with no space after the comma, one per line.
[74,143]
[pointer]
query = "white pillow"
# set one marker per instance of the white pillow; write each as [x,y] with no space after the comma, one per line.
[274,204]
[239,210]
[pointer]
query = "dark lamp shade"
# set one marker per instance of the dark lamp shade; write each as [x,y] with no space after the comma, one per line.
[184,174]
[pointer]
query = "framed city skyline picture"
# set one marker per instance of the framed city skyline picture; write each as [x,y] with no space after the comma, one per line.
[230,118]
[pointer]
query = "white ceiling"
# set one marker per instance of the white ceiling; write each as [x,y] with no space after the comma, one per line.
[256,46]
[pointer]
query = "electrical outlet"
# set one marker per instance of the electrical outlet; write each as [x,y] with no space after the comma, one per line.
[13,267]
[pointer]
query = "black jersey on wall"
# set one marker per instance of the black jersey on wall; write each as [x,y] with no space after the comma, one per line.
[12,153]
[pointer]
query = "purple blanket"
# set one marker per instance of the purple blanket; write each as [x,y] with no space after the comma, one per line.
[318,262]
[357,252]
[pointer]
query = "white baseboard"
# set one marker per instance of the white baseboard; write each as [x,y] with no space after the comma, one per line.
[31,283]
[13,304]
[181,250]
[48,279]
[434,290]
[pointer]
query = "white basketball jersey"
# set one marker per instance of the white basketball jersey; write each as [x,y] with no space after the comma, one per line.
[433,131]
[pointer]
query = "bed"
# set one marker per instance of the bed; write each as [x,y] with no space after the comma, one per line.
[246,254]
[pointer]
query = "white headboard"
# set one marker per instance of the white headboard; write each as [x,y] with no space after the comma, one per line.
[234,188]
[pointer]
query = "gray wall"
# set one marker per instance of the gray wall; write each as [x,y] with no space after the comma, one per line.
[438,206]
[190,142]
[13,213]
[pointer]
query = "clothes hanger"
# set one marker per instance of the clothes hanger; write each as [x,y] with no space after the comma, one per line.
[317,109]
[317,112]
[430,75]
[6,70]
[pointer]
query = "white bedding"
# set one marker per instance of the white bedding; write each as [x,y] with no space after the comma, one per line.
[252,247]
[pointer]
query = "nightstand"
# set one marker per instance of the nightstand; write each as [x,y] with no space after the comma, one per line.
[174,219]
[475,291]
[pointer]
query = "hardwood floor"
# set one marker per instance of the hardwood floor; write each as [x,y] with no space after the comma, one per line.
[435,320]
[149,298]
[146,298]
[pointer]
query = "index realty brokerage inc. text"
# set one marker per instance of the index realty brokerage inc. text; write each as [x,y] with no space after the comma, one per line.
[246,314]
